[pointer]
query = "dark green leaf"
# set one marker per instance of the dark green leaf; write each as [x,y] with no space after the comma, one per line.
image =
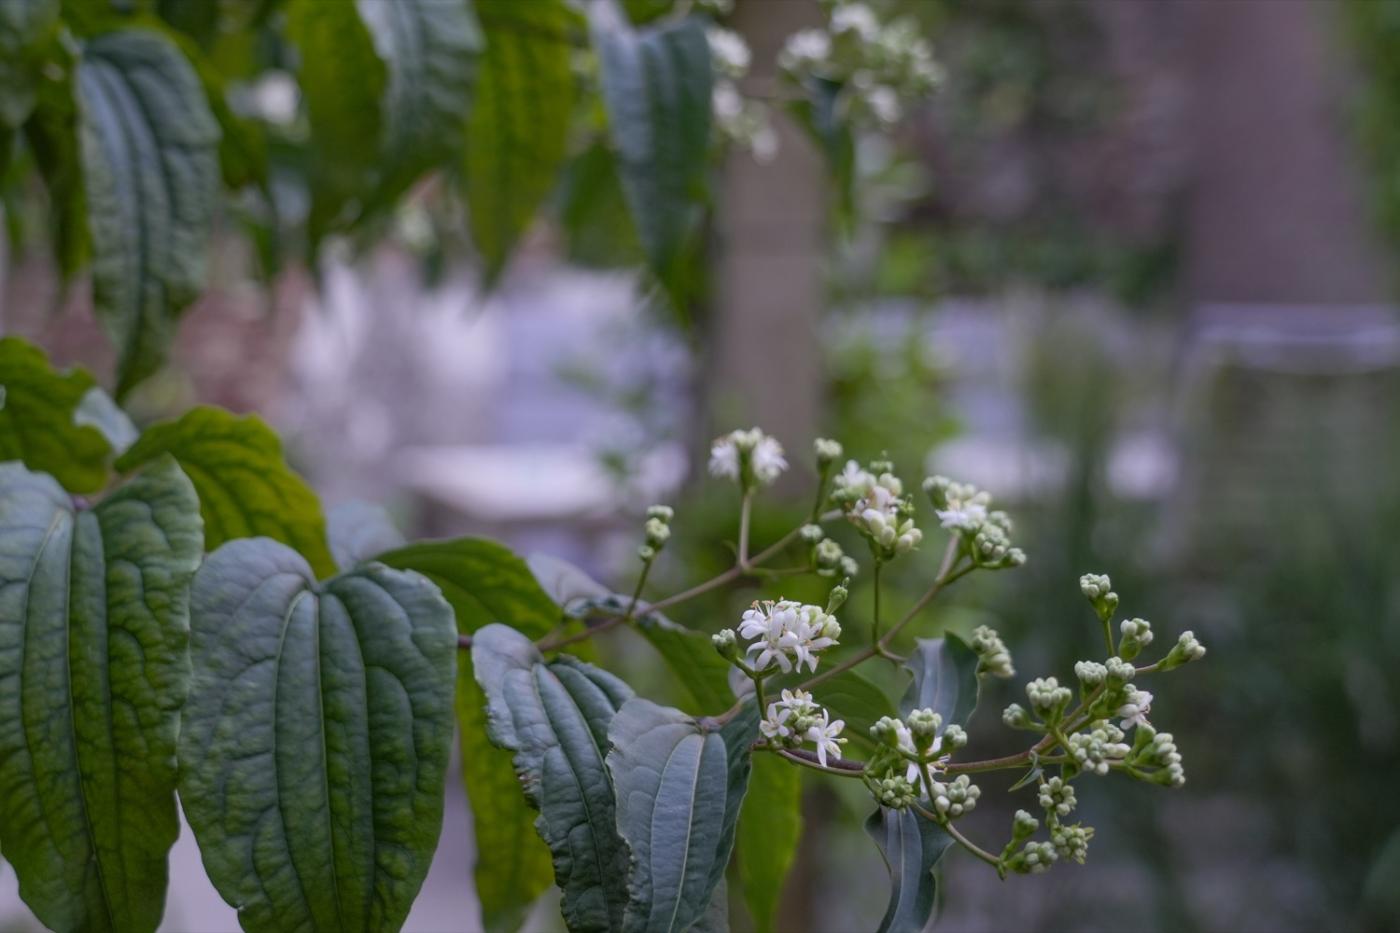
[52,134]
[314,745]
[679,789]
[820,115]
[945,679]
[656,85]
[93,629]
[245,486]
[26,27]
[518,132]
[149,150]
[555,717]
[692,658]
[770,826]
[911,847]
[429,48]
[342,80]
[485,582]
[38,423]
[358,531]
[855,698]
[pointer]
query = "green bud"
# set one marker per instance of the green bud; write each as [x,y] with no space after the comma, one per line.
[647,553]
[992,656]
[726,643]
[1090,674]
[1072,842]
[811,533]
[1048,698]
[1098,589]
[1057,797]
[827,451]
[1137,634]
[886,731]
[1023,826]
[1035,858]
[1119,672]
[1186,650]
[1016,717]
[923,726]
[895,792]
[837,597]
[657,532]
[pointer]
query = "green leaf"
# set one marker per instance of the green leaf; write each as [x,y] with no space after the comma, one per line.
[518,132]
[53,138]
[429,48]
[357,531]
[26,27]
[770,826]
[38,424]
[945,679]
[342,79]
[149,149]
[486,582]
[656,85]
[849,695]
[98,411]
[93,669]
[679,788]
[911,847]
[555,718]
[819,113]
[692,658]
[315,742]
[245,486]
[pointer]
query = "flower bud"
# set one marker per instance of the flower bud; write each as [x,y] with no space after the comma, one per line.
[827,451]
[992,657]
[1090,673]
[647,553]
[849,568]
[726,643]
[1098,589]
[1119,672]
[1035,858]
[923,725]
[886,731]
[1023,826]
[837,597]
[1047,697]
[1057,797]
[1072,842]
[1016,717]
[895,792]
[954,737]
[1137,634]
[956,798]
[1186,650]
[657,532]
[661,512]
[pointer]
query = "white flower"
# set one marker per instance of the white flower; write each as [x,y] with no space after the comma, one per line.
[768,461]
[774,725]
[748,456]
[1135,710]
[855,18]
[788,634]
[823,734]
[729,51]
[727,105]
[804,49]
[883,103]
[724,458]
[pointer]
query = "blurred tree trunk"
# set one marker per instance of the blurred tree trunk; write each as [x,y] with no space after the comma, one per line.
[764,362]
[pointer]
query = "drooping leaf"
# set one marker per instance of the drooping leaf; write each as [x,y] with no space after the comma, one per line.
[679,788]
[314,746]
[429,48]
[518,132]
[770,826]
[149,148]
[93,669]
[945,679]
[820,115]
[38,423]
[692,658]
[52,135]
[486,582]
[26,27]
[656,84]
[555,717]
[358,531]
[911,847]
[245,486]
[342,79]
[97,410]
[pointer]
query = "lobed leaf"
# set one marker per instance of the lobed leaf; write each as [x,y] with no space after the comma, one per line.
[656,84]
[770,826]
[149,152]
[485,582]
[945,679]
[518,133]
[93,669]
[245,487]
[679,788]
[39,421]
[911,847]
[314,746]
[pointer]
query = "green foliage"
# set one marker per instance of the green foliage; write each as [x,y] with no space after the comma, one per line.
[38,419]
[25,25]
[359,531]
[679,790]
[554,717]
[150,173]
[692,660]
[245,487]
[911,848]
[945,679]
[518,132]
[656,84]
[314,745]
[93,670]
[770,825]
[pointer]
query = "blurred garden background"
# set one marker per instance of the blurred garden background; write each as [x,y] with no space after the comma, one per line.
[1131,266]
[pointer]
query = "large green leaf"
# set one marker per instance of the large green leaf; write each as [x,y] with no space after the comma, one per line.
[679,788]
[53,138]
[945,679]
[486,582]
[656,84]
[429,48]
[911,847]
[555,718]
[94,621]
[358,531]
[38,409]
[245,486]
[518,133]
[342,80]
[314,746]
[693,661]
[770,826]
[25,29]
[150,161]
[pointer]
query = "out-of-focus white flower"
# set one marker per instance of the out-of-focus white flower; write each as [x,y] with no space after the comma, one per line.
[884,104]
[876,505]
[805,50]
[856,19]
[729,52]
[747,456]
[768,460]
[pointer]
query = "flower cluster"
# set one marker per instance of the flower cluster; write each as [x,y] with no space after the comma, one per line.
[986,533]
[828,558]
[783,635]
[750,457]
[956,797]
[874,501]
[993,658]
[882,64]
[657,530]
[1098,748]
[1155,758]
[916,749]
[738,119]
[796,718]
[1057,796]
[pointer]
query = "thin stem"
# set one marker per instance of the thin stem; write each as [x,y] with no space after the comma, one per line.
[745,508]
[837,766]
[591,630]
[875,625]
[758,693]
[822,476]
[1108,636]
[958,836]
